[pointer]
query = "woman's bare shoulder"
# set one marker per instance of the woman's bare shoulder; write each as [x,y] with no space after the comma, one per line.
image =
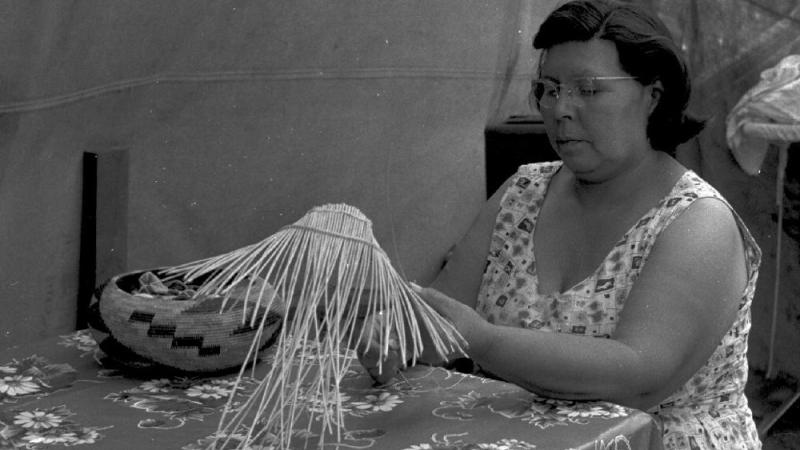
[708,223]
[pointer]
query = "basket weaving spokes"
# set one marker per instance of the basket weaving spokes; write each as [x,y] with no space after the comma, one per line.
[331,273]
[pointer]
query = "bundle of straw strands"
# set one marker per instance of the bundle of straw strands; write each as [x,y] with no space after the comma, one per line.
[330,271]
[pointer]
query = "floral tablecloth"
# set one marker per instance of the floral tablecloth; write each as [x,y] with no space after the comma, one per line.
[59,393]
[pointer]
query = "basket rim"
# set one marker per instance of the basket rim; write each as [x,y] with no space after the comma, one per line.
[198,306]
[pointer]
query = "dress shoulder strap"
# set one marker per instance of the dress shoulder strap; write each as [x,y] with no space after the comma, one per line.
[535,170]
[689,189]
[528,177]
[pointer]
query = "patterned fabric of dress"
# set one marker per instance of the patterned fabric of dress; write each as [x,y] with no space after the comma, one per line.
[710,410]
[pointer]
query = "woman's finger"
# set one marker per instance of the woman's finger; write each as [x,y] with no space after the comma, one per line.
[435,299]
[381,367]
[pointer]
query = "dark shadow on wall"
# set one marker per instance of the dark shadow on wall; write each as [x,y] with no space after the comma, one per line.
[791,193]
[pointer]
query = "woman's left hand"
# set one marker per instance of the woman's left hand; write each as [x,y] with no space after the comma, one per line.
[465,319]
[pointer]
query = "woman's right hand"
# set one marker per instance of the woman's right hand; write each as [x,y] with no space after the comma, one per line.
[382,368]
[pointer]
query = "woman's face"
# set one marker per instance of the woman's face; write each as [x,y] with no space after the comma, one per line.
[595,135]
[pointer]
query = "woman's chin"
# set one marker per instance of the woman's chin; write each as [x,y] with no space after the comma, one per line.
[583,169]
[577,161]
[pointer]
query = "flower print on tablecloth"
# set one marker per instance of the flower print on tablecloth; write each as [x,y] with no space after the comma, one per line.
[30,429]
[538,411]
[382,401]
[84,342]
[360,439]
[364,403]
[367,439]
[33,375]
[177,400]
[361,403]
[458,442]
[81,340]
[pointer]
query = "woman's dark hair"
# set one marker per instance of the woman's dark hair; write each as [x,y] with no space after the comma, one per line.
[646,51]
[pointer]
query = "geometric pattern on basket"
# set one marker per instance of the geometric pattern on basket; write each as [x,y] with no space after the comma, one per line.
[189,335]
[191,340]
[169,330]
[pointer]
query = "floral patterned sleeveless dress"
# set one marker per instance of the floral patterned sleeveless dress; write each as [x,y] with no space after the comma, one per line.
[710,410]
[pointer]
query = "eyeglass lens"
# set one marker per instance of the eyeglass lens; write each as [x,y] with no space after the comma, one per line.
[545,93]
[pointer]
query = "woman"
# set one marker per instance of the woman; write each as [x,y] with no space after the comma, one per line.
[616,273]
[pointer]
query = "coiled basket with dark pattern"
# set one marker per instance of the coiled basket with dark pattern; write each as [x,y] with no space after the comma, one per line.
[188,335]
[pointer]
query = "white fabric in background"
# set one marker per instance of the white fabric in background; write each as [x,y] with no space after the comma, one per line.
[769,113]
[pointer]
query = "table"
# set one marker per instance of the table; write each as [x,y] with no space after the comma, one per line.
[57,393]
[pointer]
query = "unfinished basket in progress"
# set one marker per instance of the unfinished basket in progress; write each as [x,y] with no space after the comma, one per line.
[331,272]
[141,323]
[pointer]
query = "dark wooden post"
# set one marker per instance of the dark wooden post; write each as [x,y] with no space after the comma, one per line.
[104,223]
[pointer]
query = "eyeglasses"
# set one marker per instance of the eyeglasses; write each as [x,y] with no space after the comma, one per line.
[545,93]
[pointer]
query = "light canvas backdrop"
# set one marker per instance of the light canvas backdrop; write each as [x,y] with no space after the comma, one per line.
[239,116]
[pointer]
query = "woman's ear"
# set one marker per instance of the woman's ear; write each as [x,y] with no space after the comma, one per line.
[656,89]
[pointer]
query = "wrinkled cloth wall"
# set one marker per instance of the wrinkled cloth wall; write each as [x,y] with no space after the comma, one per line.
[239,116]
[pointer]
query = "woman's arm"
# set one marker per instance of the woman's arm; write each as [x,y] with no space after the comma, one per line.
[683,302]
[460,278]
[462,273]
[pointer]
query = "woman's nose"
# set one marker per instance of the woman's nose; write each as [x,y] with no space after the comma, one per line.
[564,106]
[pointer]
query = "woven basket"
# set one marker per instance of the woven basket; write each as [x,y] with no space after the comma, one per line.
[193,335]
